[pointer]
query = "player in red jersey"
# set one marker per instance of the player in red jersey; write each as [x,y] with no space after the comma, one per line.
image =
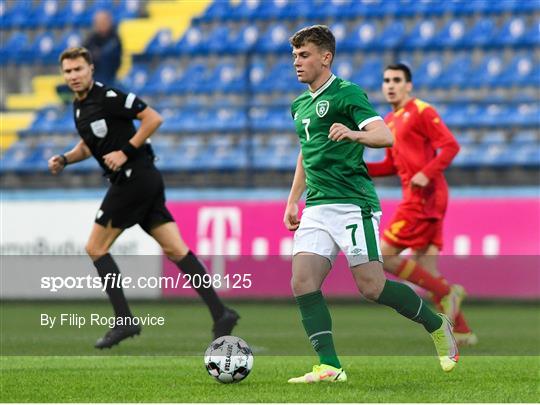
[418,134]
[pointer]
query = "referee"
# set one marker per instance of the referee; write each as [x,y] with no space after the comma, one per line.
[104,120]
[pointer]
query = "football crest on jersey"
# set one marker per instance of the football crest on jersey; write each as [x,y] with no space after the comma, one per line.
[322,107]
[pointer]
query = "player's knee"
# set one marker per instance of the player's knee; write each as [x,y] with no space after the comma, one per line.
[301,285]
[94,251]
[174,253]
[371,286]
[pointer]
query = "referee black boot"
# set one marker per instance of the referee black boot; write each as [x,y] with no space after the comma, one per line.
[224,325]
[116,335]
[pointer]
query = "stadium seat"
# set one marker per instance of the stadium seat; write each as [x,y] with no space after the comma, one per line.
[487,73]
[136,79]
[274,39]
[362,37]
[189,42]
[481,34]
[15,14]
[392,35]
[429,72]
[511,34]
[343,67]
[532,36]
[69,39]
[244,39]
[160,44]
[11,51]
[217,11]
[456,72]
[217,40]
[450,36]
[520,71]
[369,75]
[161,79]
[420,35]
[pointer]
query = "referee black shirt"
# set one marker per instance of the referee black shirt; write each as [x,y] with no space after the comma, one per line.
[104,120]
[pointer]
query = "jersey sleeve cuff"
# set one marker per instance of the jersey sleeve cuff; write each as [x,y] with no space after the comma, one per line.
[367,121]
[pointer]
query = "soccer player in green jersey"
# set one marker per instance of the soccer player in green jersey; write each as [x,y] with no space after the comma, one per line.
[335,121]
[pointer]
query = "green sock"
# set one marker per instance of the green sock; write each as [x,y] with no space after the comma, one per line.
[318,325]
[405,301]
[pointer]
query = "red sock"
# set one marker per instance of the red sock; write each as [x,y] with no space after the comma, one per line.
[411,271]
[460,324]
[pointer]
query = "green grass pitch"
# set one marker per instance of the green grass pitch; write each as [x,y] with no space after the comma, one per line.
[387,358]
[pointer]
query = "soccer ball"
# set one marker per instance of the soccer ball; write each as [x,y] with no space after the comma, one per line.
[228,359]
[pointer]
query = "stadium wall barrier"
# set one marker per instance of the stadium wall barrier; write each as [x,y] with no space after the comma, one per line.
[492,247]
[47,239]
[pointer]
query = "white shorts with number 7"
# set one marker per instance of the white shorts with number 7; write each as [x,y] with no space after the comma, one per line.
[327,229]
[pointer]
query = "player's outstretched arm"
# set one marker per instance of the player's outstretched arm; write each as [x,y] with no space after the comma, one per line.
[58,162]
[290,218]
[375,134]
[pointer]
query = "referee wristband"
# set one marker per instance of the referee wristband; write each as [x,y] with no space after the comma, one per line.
[64,160]
[129,150]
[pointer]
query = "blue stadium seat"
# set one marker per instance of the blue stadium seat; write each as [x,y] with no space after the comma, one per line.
[420,35]
[451,35]
[274,39]
[339,30]
[217,40]
[392,35]
[126,9]
[244,39]
[512,33]
[429,72]
[280,77]
[486,73]
[14,157]
[160,44]
[136,78]
[344,67]
[330,9]
[77,13]
[456,73]
[189,42]
[369,75]
[481,34]
[189,79]
[520,71]
[15,14]
[42,50]
[532,36]
[229,78]
[493,137]
[45,15]
[525,114]
[217,11]
[12,49]
[466,158]
[69,39]
[161,79]
[529,136]
[362,37]
[245,10]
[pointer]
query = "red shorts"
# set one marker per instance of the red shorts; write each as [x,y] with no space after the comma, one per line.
[410,230]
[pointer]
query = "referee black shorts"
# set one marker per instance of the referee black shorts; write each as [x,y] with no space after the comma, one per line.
[136,196]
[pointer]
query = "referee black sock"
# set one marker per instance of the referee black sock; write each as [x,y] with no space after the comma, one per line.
[106,265]
[191,265]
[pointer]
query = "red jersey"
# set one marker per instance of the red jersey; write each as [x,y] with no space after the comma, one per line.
[418,133]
